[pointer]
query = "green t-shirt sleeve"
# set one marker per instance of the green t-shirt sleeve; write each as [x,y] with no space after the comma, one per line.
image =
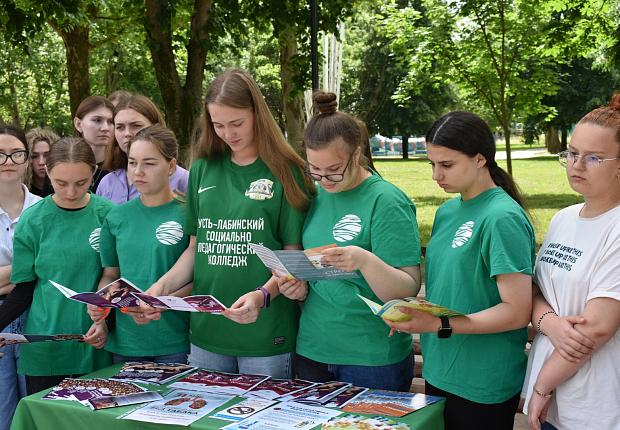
[508,245]
[291,221]
[107,245]
[394,234]
[24,253]
[191,209]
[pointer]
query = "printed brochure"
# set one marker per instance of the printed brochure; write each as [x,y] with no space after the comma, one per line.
[318,394]
[219,382]
[188,304]
[13,338]
[82,390]
[389,311]
[243,409]
[391,403]
[360,422]
[286,416]
[180,407]
[274,388]
[299,264]
[151,373]
[116,294]
[106,402]
[345,397]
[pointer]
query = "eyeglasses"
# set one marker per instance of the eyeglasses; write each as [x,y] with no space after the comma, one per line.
[17,157]
[590,160]
[333,177]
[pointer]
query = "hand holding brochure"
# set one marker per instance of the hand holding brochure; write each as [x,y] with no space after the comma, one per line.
[13,338]
[390,312]
[116,294]
[304,265]
[207,304]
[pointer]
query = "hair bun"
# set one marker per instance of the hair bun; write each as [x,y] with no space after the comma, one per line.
[325,102]
[615,102]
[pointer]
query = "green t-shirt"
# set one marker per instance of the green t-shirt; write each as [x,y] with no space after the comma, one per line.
[55,244]
[144,243]
[471,243]
[229,206]
[336,326]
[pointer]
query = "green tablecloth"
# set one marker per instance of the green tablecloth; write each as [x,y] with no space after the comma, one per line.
[34,413]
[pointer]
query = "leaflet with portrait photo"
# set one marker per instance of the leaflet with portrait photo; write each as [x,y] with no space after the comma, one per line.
[204,303]
[116,294]
[305,265]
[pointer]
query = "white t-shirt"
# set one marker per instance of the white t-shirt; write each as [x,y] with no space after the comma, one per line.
[579,261]
[7,228]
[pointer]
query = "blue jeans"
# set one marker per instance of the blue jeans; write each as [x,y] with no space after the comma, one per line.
[276,366]
[396,377]
[179,357]
[547,426]
[12,385]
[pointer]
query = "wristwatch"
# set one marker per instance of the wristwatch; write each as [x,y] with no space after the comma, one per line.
[445,331]
[266,296]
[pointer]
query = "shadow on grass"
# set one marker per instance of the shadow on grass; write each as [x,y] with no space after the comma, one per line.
[430,200]
[551,201]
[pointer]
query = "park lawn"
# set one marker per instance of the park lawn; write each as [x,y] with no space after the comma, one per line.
[541,179]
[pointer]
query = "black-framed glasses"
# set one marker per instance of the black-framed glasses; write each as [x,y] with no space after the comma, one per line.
[332,177]
[17,157]
[567,157]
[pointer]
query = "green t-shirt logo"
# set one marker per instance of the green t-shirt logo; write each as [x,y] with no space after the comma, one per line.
[347,228]
[93,239]
[261,189]
[169,233]
[463,234]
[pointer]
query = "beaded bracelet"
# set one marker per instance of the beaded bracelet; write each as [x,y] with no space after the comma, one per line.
[542,394]
[540,321]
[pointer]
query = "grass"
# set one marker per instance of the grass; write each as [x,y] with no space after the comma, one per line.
[542,180]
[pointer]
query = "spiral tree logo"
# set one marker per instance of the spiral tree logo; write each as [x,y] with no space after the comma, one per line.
[169,233]
[463,234]
[347,228]
[93,239]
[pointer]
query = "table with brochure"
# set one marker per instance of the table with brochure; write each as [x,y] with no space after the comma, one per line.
[36,413]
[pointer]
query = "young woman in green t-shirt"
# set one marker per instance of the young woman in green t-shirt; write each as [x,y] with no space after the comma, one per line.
[479,261]
[374,225]
[246,185]
[58,239]
[140,241]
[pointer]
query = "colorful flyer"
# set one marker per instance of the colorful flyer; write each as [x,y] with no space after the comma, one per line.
[305,265]
[106,402]
[345,397]
[243,409]
[390,403]
[274,388]
[220,382]
[151,373]
[390,312]
[116,294]
[180,407]
[286,416]
[360,422]
[318,394]
[188,304]
[82,390]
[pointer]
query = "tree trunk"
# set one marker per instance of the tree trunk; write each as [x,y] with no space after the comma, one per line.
[506,129]
[15,118]
[182,103]
[77,48]
[564,141]
[292,101]
[552,141]
[405,145]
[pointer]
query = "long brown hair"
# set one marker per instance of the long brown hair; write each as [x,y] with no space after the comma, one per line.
[89,104]
[236,88]
[115,158]
[162,138]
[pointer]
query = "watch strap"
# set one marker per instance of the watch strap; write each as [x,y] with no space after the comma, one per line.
[266,296]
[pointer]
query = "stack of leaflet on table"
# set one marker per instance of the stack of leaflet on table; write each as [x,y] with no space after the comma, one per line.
[147,372]
[220,382]
[391,403]
[318,394]
[100,393]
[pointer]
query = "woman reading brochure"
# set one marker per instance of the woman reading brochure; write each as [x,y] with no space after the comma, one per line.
[58,240]
[374,225]
[140,241]
[479,261]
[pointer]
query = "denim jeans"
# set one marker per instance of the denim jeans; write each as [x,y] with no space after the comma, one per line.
[179,357]
[395,376]
[12,385]
[276,366]
[547,426]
